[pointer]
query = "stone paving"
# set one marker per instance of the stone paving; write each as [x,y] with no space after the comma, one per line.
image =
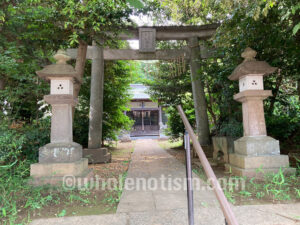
[153,163]
[157,206]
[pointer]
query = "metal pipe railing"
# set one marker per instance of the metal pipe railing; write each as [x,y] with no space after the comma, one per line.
[189,176]
[229,216]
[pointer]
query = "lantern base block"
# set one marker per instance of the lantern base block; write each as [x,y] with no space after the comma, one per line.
[257,173]
[73,173]
[255,156]
[60,153]
[256,145]
[262,161]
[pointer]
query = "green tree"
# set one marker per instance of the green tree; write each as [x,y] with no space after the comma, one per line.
[31,31]
[271,28]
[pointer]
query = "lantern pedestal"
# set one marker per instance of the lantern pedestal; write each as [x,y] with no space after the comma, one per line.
[60,152]
[74,174]
[260,152]
[98,155]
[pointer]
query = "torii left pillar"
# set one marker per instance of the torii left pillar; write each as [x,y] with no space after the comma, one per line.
[95,153]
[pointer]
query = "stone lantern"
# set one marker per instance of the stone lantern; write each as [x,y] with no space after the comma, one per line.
[62,156]
[255,149]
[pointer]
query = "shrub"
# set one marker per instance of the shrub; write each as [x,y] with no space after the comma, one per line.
[21,142]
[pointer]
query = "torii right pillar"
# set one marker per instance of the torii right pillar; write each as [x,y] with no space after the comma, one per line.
[255,149]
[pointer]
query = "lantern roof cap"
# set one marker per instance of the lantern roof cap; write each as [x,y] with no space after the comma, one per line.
[60,69]
[250,66]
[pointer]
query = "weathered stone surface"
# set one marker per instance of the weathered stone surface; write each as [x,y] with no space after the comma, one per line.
[253,162]
[61,99]
[99,155]
[250,66]
[255,146]
[96,99]
[70,180]
[200,104]
[251,83]
[254,173]
[258,94]
[224,145]
[60,69]
[61,124]
[62,157]
[203,32]
[132,54]
[253,111]
[253,68]
[59,169]
[60,152]
[254,150]
[257,152]
[147,37]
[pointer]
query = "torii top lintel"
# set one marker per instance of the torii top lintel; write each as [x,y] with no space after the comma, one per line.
[147,49]
[172,32]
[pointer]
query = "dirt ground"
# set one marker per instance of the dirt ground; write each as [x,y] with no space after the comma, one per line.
[121,155]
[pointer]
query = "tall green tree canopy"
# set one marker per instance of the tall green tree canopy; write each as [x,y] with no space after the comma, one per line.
[268,26]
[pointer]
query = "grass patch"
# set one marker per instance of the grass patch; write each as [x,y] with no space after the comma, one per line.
[273,188]
[113,197]
[20,203]
[171,144]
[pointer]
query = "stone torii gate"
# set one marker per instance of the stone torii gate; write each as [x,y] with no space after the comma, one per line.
[147,37]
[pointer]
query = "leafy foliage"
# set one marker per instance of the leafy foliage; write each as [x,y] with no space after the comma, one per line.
[30,32]
[116,96]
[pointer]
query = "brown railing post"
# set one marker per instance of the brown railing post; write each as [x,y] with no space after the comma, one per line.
[230,217]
